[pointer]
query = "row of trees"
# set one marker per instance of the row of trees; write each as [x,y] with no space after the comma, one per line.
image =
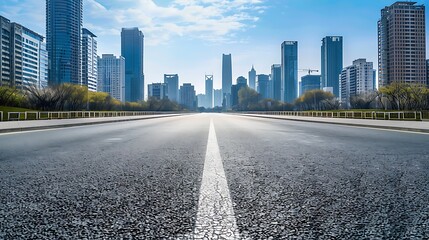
[396,96]
[69,97]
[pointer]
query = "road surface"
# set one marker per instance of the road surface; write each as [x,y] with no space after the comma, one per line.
[214,176]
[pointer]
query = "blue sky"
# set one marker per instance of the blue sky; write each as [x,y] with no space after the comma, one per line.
[188,37]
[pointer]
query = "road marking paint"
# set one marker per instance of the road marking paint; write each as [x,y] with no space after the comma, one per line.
[215,217]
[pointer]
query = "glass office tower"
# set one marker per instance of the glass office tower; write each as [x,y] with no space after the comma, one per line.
[289,74]
[332,64]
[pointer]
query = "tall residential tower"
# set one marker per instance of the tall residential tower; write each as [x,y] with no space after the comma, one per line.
[402,44]
[89,60]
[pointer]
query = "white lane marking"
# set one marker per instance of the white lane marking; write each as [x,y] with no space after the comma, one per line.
[215,217]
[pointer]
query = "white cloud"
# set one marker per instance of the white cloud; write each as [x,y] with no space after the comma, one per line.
[209,20]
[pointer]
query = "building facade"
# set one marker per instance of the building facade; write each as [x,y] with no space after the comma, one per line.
[332,63]
[63,34]
[357,79]
[217,97]
[89,60]
[226,78]
[252,78]
[310,82]
[23,56]
[188,97]
[111,76]
[132,49]
[289,71]
[157,90]
[264,87]
[209,92]
[241,83]
[276,78]
[172,82]
[402,44]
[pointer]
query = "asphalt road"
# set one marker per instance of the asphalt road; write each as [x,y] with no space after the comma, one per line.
[274,179]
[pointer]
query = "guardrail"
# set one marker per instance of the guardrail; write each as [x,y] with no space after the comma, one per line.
[405,115]
[32,115]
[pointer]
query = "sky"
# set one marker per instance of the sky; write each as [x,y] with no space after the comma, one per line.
[188,37]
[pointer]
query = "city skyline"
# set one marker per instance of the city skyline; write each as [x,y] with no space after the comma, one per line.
[251,40]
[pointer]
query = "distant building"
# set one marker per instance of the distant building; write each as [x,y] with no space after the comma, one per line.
[427,72]
[201,100]
[252,78]
[226,78]
[64,35]
[217,97]
[356,79]
[310,82]
[402,44]
[157,90]
[24,57]
[263,82]
[89,60]
[289,71]
[188,98]
[241,83]
[276,78]
[172,82]
[332,63]
[132,49]
[111,76]
[208,103]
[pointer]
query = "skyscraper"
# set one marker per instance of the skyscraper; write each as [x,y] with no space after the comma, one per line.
[332,63]
[356,79]
[263,82]
[63,31]
[132,49]
[235,89]
[217,97]
[226,78]
[276,77]
[23,56]
[111,76]
[402,44]
[252,78]
[289,71]
[427,72]
[188,98]
[172,82]
[89,60]
[310,82]
[209,91]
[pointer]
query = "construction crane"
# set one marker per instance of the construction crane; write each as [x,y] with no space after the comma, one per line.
[308,70]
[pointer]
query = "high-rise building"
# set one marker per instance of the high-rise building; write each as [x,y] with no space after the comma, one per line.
[23,56]
[188,97]
[209,92]
[132,49]
[332,63]
[63,31]
[89,60]
[276,78]
[217,97]
[289,71]
[356,79]
[201,100]
[310,82]
[252,78]
[263,82]
[241,83]
[402,44]
[157,90]
[427,72]
[111,76]
[226,78]
[172,82]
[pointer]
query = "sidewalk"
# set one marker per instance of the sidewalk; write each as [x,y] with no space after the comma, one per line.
[413,126]
[18,126]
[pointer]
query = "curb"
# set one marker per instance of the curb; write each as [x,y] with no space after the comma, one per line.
[346,124]
[25,129]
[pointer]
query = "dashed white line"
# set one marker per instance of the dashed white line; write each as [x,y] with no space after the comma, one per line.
[215,217]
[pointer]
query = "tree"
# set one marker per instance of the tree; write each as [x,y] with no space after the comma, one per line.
[317,100]
[10,96]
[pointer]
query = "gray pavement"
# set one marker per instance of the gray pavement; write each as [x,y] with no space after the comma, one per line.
[153,179]
[17,126]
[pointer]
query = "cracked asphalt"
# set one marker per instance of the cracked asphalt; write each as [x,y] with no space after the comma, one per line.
[286,180]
